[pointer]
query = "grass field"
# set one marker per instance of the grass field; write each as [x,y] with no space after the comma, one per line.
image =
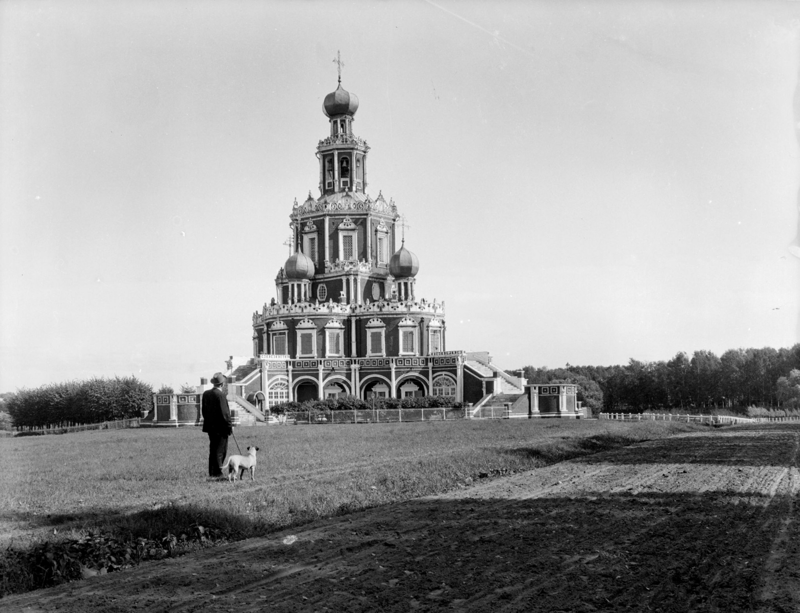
[136,485]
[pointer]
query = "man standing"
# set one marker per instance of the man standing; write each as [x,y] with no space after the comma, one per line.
[217,423]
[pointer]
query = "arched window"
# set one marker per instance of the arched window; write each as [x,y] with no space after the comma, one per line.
[344,171]
[329,173]
[278,392]
[444,385]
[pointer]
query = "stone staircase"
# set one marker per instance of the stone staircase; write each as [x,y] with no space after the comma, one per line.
[508,384]
[495,406]
[246,414]
[479,368]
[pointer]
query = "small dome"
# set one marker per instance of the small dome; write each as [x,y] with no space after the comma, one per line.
[340,102]
[403,264]
[299,266]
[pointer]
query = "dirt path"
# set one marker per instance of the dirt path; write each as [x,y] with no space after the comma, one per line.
[703,522]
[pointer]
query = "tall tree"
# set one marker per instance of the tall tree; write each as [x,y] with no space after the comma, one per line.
[705,370]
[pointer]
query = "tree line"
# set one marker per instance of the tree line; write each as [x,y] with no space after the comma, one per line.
[737,379]
[80,402]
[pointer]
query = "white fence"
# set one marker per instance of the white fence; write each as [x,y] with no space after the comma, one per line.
[704,419]
[365,416]
[104,425]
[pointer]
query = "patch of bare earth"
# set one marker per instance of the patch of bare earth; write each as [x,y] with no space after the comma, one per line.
[701,522]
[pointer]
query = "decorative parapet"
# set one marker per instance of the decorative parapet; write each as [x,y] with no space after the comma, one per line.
[344,139]
[276,364]
[397,306]
[279,362]
[345,202]
[423,307]
[349,266]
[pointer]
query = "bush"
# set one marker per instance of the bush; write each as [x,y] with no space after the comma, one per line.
[165,389]
[86,402]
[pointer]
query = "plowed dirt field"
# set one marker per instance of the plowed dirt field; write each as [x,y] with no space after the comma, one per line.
[698,522]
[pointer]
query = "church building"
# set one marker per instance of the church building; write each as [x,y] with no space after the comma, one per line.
[346,317]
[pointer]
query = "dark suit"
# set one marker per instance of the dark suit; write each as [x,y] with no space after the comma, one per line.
[217,423]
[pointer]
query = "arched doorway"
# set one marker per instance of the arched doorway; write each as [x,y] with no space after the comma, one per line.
[257,400]
[376,387]
[412,386]
[306,390]
[335,387]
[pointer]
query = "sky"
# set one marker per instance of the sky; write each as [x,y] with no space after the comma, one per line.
[584,182]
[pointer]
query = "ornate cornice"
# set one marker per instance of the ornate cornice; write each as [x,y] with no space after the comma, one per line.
[348,266]
[343,139]
[422,307]
[345,204]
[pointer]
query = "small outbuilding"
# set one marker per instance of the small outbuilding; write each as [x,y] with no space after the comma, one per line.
[553,400]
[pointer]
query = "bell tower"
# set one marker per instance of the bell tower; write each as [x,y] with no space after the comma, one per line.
[342,156]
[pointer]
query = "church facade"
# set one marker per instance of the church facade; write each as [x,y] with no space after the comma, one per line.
[346,317]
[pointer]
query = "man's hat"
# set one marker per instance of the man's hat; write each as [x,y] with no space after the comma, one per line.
[218,379]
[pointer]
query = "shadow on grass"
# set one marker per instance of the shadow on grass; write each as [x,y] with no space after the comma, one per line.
[739,446]
[117,540]
[660,552]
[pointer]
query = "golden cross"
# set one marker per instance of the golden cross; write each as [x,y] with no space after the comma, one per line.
[338,61]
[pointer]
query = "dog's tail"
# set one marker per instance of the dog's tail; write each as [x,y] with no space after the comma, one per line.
[225,466]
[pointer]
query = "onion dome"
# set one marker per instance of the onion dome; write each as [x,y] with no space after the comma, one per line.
[340,102]
[403,263]
[299,266]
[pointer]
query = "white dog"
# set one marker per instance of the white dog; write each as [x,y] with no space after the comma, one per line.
[237,464]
